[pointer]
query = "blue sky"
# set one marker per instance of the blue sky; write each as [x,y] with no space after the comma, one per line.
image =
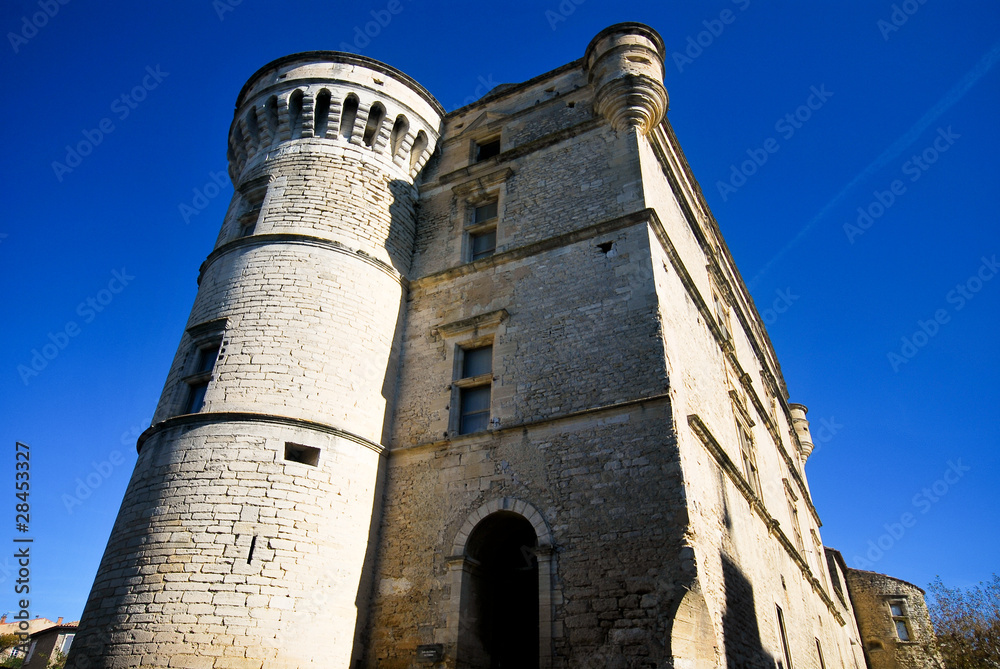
[793,117]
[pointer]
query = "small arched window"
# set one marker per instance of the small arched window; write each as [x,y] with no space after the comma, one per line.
[295,113]
[399,130]
[322,112]
[251,121]
[375,117]
[419,146]
[348,116]
[271,113]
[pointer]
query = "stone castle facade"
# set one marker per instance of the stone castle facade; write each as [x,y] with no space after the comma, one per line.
[475,389]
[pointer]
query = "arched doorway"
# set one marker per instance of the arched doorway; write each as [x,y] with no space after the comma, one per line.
[499,616]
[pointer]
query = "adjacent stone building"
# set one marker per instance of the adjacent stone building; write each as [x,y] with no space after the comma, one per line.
[475,389]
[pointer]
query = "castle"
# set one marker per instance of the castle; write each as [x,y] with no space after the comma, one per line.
[476,389]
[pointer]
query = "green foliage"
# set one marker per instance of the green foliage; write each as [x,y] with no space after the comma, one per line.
[12,662]
[967,623]
[57,660]
[9,641]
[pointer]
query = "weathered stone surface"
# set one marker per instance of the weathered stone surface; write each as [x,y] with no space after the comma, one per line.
[324,506]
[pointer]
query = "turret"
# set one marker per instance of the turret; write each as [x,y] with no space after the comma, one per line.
[625,66]
[245,531]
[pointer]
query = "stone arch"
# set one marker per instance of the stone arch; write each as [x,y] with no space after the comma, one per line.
[400,128]
[530,513]
[492,543]
[692,635]
[373,125]
[417,153]
[322,116]
[348,115]
[295,104]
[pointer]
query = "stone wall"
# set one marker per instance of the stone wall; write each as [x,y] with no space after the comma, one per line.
[895,625]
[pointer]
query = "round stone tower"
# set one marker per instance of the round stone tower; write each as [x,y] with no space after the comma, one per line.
[247,529]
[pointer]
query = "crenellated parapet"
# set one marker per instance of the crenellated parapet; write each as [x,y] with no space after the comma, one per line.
[338,99]
[625,66]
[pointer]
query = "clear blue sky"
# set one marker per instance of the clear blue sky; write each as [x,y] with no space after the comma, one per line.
[927,87]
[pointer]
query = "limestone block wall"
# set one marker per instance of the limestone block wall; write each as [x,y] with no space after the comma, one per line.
[607,486]
[874,596]
[245,537]
[221,553]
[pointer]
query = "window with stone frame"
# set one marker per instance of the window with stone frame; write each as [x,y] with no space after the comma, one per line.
[793,516]
[783,634]
[253,194]
[474,388]
[208,345]
[486,148]
[748,457]
[197,382]
[482,229]
[900,619]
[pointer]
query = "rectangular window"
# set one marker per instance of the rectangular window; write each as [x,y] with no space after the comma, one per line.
[474,389]
[793,514]
[485,212]
[201,374]
[722,315]
[307,455]
[749,458]
[196,397]
[784,639]
[487,149]
[482,244]
[253,192]
[897,610]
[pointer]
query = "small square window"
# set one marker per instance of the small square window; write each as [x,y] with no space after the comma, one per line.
[306,455]
[485,212]
[487,149]
[482,244]
[897,609]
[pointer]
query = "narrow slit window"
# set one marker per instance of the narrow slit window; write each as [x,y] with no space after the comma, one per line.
[419,146]
[375,117]
[399,130]
[322,121]
[348,116]
[295,113]
[784,639]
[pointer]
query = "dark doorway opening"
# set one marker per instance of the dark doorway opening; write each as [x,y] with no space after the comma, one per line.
[499,614]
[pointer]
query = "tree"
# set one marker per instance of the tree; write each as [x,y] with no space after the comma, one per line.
[967,623]
[8,641]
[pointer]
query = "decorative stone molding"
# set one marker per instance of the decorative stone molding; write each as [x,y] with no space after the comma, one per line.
[624,64]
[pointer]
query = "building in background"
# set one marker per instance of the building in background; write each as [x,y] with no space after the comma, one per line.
[473,389]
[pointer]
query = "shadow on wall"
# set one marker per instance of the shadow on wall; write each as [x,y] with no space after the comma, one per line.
[740,633]
[400,245]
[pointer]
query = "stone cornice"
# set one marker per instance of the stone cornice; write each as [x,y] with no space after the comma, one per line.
[248,417]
